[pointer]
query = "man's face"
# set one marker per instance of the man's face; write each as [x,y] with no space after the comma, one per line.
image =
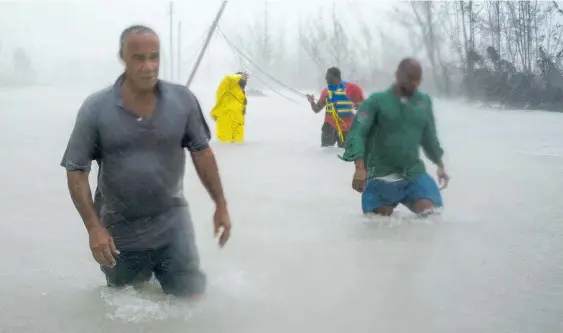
[141,54]
[408,78]
[330,79]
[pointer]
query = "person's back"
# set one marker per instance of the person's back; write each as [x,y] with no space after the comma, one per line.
[230,108]
[229,100]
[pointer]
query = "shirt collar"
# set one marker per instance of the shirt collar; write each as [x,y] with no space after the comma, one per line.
[119,82]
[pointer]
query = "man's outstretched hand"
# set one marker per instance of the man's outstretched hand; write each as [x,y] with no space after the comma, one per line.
[222,224]
[311,98]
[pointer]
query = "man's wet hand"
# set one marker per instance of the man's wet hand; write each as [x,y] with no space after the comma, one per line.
[222,224]
[359,180]
[443,177]
[102,246]
[311,98]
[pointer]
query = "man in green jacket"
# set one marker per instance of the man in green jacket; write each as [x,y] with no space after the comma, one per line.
[384,143]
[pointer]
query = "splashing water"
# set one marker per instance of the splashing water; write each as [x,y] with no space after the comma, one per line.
[148,303]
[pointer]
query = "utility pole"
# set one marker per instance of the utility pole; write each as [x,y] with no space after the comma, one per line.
[208,39]
[266,47]
[266,32]
[179,48]
[171,12]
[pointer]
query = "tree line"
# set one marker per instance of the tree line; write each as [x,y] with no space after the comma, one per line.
[506,53]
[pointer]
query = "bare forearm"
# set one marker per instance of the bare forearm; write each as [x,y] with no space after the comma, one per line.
[208,172]
[317,107]
[359,164]
[81,195]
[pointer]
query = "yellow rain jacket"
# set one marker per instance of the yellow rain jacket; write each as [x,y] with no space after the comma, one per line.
[228,112]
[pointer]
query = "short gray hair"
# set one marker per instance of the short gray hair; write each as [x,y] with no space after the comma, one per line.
[134,29]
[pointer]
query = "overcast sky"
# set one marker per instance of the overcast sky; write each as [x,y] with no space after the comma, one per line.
[56,33]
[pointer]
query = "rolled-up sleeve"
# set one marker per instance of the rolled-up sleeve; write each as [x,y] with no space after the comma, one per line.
[82,146]
[196,134]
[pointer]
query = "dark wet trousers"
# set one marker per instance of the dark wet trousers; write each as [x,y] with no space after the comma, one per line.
[329,136]
[175,266]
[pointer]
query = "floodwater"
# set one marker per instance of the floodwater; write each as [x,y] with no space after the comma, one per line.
[302,258]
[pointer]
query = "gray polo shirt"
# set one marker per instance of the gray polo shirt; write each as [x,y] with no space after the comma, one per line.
[142,160]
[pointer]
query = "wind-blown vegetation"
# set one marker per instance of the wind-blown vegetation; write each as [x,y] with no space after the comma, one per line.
[507,53]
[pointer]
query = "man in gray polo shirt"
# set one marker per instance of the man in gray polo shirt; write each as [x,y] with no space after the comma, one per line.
[137,130]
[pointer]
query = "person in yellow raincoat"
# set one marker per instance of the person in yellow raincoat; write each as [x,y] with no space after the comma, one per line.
[230,108]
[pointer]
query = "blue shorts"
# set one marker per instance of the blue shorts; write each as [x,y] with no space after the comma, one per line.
[378,193]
